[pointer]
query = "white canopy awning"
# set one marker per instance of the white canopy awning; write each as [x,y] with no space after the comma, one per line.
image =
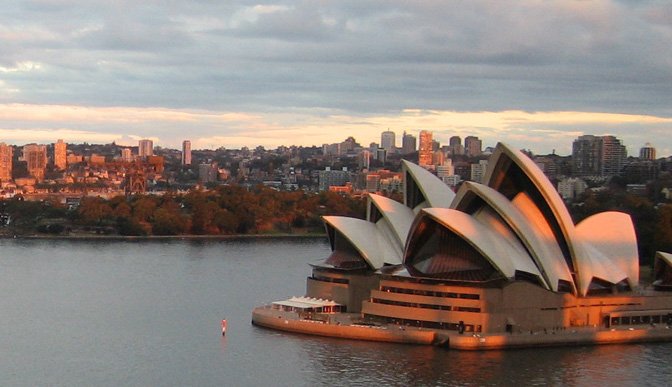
[306,303]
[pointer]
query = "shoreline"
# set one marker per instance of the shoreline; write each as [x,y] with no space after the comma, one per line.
[166,237]
[345,326]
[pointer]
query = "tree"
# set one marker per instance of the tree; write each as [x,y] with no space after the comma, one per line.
[94,211]
[663,233]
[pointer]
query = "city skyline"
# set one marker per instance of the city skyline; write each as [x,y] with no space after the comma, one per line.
[145,146]
[315,73]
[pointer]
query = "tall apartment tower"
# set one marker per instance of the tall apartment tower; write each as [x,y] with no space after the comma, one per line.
[145,148]
[597,156]
[472,146]
[388,140]
[455,146]
[186,152]
[126,155]
[647,152]
[613,157]
[36,158]
[6,154]
[425,152]
[60,155]
[408,144]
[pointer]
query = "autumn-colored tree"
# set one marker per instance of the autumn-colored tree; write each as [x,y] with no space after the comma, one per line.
[143,208]
[94,211]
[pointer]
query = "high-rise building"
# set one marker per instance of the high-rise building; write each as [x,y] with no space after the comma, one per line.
[647,152]
[388,140]
[36,158]
[425,153]
[586,155]
[145,148]
[126,155]
[438,158]
[207,172]
[408,144]
[597,156]
[381,155]
[60,155]
[455,146]
[364,159]
[6,154]
[472,146]
[614,156]
[478,171]
[186,152]
[348,146]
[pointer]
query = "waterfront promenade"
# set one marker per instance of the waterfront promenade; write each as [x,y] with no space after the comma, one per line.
[352,326]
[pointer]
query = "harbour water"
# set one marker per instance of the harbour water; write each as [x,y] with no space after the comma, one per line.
[141,313]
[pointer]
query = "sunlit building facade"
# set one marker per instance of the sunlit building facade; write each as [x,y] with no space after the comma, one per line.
[186,152]
[425,152]
[145,148]
[60,155]
[6,156]
[35,157]
[501,256]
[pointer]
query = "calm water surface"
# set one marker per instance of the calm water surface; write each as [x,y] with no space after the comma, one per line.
[147,313]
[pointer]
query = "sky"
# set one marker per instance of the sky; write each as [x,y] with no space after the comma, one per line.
[534,74]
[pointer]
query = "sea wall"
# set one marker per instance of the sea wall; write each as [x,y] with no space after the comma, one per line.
[275,319]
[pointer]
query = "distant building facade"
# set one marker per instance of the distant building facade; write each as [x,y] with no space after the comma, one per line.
[60,155]
[145,148]
[647,152]
[473,146]
[455,146]
[408,144]
[126,155]
[36,158]
[327,178]
[571,188]
[6,157]
[478,171]
[186,152]
[597,156]
[388,140]
[425,153]
[207,172]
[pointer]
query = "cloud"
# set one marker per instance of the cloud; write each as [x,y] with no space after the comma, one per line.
[346,67]
[541,131]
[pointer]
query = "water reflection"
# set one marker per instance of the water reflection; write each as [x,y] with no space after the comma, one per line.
[109,313]
[340,362]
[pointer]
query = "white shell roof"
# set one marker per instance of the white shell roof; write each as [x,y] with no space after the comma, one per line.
[666,257]
[502,255]
[661,258]
[396,215]
[551,196]
[544,249]
[367,239]
[613,234]
[435,191]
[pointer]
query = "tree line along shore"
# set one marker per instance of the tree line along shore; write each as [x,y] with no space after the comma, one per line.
[226,210]
[234,210]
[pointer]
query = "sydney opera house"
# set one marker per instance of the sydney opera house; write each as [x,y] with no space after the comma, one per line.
[500,258]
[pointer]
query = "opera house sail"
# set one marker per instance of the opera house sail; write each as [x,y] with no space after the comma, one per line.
[494,265]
